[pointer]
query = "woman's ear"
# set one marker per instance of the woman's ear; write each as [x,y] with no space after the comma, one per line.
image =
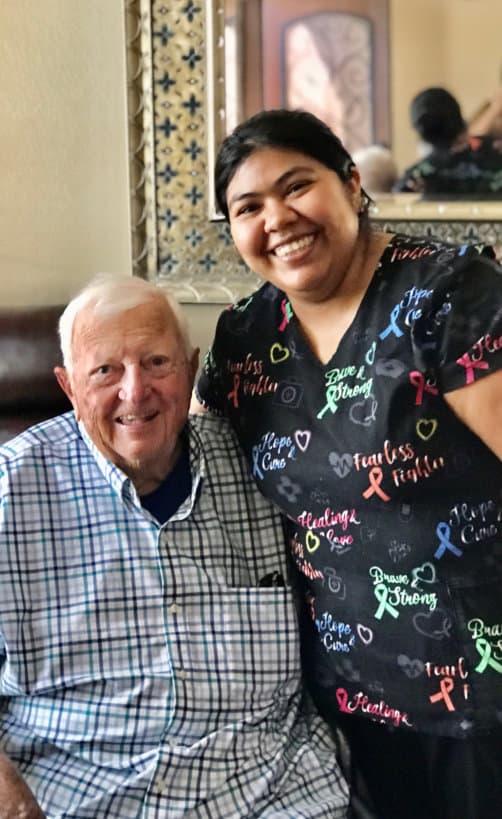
[353,185]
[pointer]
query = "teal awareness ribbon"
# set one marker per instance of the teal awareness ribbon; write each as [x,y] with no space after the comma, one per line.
[484,649]
[381,593]
[330,401]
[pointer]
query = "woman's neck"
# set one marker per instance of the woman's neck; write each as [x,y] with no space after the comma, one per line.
[324,322]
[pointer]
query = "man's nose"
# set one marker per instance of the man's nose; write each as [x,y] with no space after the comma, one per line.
[134,385]
[277,214]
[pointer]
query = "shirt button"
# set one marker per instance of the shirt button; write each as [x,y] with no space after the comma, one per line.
[173,608]
[181,674]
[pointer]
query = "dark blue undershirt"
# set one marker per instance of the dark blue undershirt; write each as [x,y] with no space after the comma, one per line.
[168,497]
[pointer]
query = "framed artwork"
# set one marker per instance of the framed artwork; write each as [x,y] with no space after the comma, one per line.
[330,57]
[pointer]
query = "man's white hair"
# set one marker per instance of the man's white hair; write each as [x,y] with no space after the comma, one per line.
[109,294]
[377,167]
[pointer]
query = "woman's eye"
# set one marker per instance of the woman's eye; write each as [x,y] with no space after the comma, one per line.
[245,209]
[297,186]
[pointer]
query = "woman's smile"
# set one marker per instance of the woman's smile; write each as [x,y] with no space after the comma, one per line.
[295,248]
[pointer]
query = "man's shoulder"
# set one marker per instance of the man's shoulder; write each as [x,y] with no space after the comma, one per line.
[220,449]
[52,436]
[226,469]
[215,434]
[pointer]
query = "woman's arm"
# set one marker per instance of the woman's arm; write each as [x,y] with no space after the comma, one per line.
[489,119]
[195,407]
[479,407]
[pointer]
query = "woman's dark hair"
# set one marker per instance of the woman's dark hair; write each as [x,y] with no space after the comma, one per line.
[437,118]
[281,128]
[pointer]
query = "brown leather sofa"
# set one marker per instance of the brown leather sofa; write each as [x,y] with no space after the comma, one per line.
[29,350]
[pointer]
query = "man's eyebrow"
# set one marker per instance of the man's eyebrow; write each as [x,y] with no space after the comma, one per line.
[277,182]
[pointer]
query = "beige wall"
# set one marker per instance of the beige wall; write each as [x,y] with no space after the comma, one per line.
[64,211]
[453,43]
[64,200]
[63,138]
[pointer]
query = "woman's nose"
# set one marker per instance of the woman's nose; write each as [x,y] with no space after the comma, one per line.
[134,385]
[277,214]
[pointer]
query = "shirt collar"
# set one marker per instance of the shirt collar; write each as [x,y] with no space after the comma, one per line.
[123,485]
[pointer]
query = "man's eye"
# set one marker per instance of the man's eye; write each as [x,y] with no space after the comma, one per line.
[103,373]
[160,365]
[159,361]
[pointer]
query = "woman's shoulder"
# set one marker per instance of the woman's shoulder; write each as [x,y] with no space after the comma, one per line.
[431,264]
[255,309]
[404,247]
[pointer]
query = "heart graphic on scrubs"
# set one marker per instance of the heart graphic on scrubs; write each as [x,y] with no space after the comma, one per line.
[302,438]
[363,412]
[426,428]
[365,634]
[312,542]
[426,573]
[391,367]
[341,464]
[437,624]
[412,668]
[278,353]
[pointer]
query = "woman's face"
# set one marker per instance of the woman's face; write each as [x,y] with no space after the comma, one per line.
[294,221]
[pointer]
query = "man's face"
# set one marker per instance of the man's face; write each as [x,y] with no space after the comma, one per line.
[130,385]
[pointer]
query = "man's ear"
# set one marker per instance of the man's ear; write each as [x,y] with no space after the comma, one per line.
[63,380]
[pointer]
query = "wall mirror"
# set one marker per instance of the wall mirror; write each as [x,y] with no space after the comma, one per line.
[385,52]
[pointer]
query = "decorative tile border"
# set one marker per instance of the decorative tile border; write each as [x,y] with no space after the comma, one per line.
[171,140]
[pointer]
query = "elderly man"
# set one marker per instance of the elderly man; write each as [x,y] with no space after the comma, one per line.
[149,662]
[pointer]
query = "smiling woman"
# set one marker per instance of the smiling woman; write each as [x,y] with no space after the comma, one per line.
[382,387]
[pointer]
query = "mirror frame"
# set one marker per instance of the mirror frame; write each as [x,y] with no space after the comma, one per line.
[403,206]
[177,235]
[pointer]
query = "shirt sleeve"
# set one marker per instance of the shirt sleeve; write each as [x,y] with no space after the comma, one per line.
[463,327]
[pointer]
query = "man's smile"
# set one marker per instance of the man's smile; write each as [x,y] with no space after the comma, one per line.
[134,419]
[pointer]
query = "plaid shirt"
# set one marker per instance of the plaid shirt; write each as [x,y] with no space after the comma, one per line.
[143,672]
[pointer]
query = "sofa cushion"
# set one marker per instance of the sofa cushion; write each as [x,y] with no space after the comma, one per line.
[29,350]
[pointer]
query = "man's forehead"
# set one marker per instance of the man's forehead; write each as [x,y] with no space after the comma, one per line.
[152,318]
